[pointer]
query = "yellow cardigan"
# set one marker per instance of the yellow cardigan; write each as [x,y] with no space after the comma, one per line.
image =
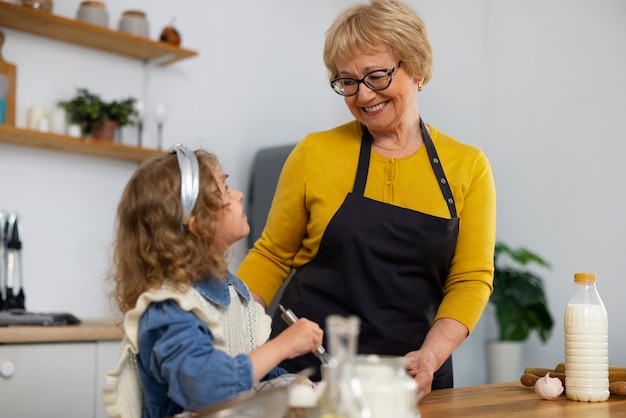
[320,172]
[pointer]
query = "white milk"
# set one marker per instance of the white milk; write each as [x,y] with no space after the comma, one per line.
[586,353]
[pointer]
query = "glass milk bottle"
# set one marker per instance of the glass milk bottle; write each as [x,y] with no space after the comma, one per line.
[586,343]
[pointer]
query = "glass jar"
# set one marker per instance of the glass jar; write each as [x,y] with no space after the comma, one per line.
[93,12]
[388,390]
[43,5]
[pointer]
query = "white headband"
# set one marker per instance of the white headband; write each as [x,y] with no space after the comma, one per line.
[189,178]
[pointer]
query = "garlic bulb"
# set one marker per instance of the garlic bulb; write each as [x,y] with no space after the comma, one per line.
[548,387]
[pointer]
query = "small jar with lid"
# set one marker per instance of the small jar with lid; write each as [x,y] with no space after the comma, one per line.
[135,23]
[93,12]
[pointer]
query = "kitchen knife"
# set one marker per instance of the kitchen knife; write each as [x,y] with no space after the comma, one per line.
[14,265]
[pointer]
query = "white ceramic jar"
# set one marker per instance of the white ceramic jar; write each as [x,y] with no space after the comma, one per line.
[135,23]
[93,12]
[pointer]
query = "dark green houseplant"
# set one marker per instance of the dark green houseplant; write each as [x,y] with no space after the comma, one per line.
[520,303]
[88,110]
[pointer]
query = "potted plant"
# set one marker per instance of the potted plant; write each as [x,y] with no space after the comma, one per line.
[98,117]
[520,305]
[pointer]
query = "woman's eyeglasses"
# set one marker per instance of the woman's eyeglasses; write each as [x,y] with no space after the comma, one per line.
[376,80]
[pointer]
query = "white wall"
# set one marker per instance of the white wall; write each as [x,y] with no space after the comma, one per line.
[538,85]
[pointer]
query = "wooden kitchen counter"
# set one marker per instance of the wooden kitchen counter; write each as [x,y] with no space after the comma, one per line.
[512,399]
[87,330]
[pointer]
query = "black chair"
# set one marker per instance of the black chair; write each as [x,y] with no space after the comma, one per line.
[266,169]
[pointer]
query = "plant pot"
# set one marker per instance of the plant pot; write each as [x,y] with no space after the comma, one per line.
[105,131]
[504,361]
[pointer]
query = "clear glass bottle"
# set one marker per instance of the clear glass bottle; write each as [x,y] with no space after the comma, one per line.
[337,400]
[586,343]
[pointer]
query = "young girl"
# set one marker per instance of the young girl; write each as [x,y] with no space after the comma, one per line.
[193,334]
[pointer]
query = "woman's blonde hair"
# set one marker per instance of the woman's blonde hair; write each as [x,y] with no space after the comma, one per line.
[152,244]
[365,28]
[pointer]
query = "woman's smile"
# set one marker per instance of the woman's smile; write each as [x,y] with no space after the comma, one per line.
[376,108]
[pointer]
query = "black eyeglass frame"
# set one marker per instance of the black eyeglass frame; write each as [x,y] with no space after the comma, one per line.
[389,73]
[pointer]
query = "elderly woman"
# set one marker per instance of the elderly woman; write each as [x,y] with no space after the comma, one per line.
[385,217]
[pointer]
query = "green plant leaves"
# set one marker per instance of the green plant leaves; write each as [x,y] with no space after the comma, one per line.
[87,108]
[518,297]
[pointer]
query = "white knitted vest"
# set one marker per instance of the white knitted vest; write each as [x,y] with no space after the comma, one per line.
[238,328]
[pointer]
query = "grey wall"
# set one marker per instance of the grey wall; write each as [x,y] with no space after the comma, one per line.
[539,85]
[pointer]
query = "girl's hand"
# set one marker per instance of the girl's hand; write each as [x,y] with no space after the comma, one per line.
[303,337]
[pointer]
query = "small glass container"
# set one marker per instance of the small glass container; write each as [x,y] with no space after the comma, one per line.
[135,23]
[93,12]
[43,5]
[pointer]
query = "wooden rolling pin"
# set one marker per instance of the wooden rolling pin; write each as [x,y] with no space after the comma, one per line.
[529,379]
[615,388]
[616,374]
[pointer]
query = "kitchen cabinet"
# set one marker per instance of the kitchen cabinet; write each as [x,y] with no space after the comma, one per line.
[56,379]
[107,353]
[56,371]
[73,31]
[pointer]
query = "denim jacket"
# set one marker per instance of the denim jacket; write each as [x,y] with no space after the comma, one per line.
[179,367]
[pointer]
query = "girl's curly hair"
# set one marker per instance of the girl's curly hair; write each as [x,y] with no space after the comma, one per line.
[152,244]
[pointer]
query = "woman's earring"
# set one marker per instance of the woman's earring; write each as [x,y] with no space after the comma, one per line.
[419,86]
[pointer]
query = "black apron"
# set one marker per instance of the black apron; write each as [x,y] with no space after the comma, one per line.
[384,263]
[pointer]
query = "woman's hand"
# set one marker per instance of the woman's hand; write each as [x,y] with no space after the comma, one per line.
[422,366]
[444,337]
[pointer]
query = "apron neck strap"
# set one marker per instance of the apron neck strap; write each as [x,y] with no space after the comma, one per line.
[364,163]
[435,163]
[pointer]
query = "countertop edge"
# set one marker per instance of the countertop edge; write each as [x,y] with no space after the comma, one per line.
[88,330]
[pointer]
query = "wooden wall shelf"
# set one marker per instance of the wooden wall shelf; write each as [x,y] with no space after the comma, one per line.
[92,36]
[36,139]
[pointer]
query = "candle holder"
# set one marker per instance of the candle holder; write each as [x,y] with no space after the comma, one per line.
[160,115]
